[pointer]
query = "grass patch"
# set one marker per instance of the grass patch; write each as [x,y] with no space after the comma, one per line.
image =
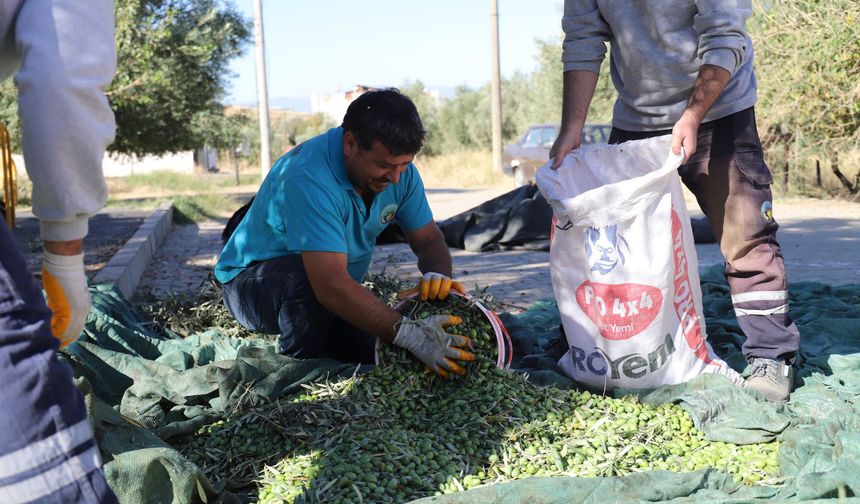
[802,178]
[188,209]
[178,182]
[196,197]
[200,207]
[24,192]
[468,168]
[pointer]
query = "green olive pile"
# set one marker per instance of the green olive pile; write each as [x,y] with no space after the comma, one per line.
[397,433]
[474,326]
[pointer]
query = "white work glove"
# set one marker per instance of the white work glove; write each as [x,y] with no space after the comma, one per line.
[65,285]
[427,340]
[433,286]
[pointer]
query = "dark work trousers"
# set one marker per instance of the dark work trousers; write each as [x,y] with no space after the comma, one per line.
[275,297]
[47,449]
[731,182]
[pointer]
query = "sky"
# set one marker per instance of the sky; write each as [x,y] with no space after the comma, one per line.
[322,46]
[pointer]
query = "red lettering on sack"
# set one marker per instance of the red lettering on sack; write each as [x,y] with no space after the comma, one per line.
[683,299]
[620,311]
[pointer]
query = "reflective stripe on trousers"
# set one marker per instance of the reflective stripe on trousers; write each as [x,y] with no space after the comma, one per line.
[47,449]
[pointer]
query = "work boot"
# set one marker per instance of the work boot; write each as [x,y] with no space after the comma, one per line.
[774,379]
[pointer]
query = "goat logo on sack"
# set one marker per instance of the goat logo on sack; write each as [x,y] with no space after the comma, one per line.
[619,311]
[603,248]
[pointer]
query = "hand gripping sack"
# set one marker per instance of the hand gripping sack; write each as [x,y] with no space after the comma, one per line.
[624,268]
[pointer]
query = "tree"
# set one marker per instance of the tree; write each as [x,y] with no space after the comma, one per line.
[463,122]
[9,111]
[222,132]
[173,57]
[423,101]
[461,118]
[215,129]
[427,109]
[545,89]
[807,58]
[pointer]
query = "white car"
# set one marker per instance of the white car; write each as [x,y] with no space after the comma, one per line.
[522,159]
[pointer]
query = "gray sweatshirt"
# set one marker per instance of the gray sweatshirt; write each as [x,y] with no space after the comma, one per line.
[64,55]
[657,47]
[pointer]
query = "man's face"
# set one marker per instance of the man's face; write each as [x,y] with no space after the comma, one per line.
[370,171]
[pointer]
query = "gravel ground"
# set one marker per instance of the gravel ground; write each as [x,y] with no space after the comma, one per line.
[109,230]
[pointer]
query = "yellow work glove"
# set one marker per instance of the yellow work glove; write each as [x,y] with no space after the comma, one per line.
[433,286]
[65,285]
[427,340]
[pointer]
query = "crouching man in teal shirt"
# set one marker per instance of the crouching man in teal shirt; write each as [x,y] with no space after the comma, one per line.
[294,264]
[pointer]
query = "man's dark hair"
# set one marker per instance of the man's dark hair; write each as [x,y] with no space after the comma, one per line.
[388,116]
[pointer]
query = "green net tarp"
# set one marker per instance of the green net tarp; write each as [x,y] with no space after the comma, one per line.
[142,390]
[145,389]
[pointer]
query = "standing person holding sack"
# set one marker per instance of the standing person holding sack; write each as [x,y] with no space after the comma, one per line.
[62,53]
[685,68]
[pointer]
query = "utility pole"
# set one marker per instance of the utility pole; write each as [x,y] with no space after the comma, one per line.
[496,89]
[262,92]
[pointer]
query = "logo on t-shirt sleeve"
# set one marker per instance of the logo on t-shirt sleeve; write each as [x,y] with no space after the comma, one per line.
[388,213]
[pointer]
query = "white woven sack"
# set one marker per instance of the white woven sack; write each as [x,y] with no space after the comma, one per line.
[624,268]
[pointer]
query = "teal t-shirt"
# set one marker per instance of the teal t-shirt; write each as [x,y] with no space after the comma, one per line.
[307,203]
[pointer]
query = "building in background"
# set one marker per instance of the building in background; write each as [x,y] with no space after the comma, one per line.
[334,105]
[202,160]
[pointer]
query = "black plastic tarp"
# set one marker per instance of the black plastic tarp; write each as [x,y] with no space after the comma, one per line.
[518,219]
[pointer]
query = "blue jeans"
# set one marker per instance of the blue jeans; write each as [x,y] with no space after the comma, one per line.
[275,297]
[47,449]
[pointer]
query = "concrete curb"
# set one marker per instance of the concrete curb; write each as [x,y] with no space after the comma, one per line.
[126,267]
